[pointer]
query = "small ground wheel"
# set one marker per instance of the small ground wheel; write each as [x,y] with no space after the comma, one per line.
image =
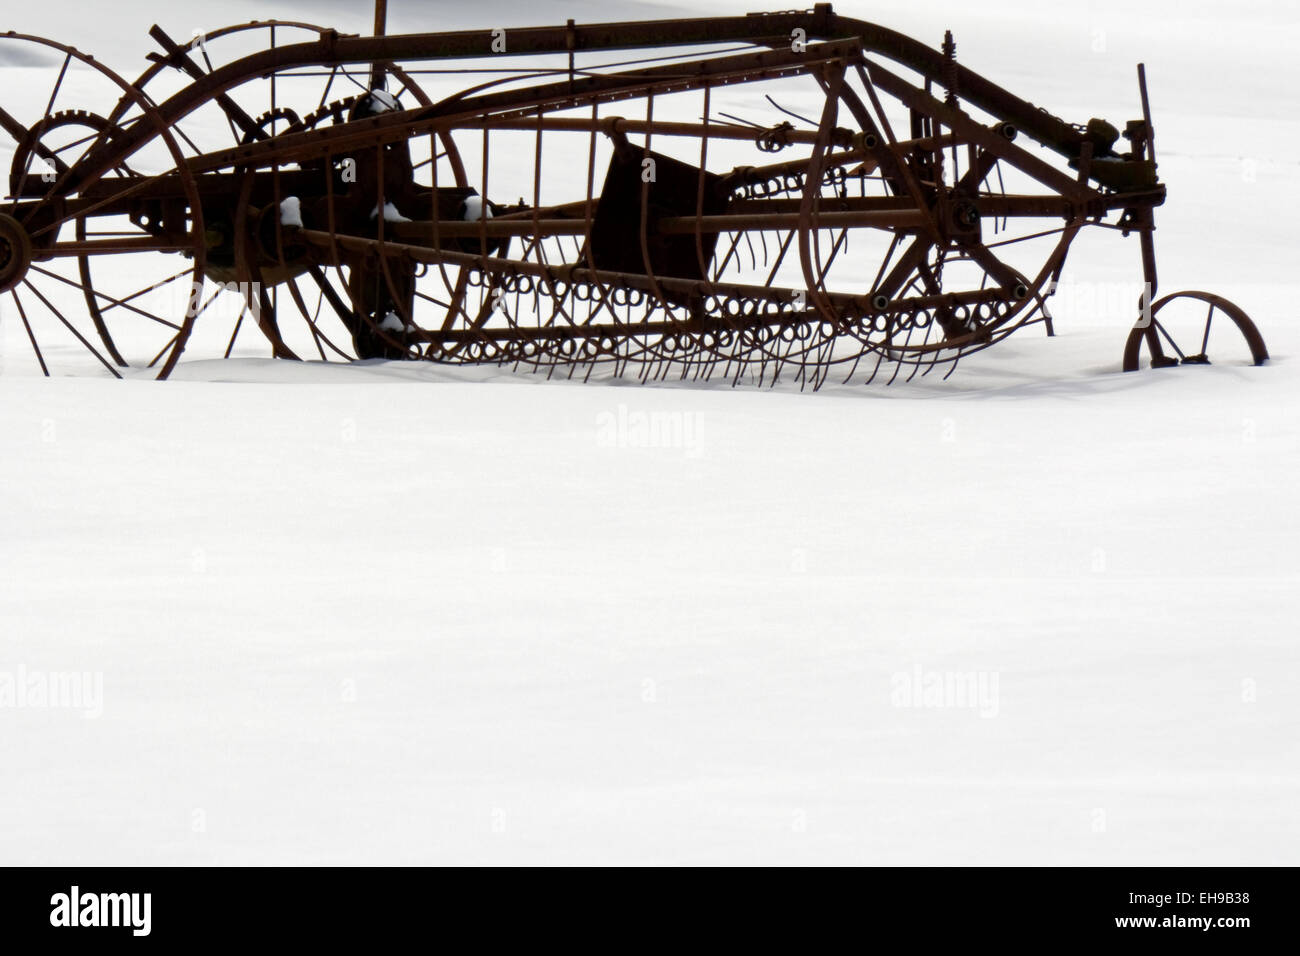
[1194,328]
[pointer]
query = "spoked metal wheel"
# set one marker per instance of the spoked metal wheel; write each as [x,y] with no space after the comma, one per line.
[938,291]
[352,304]
[332,308]
[1194,328]
[135,221]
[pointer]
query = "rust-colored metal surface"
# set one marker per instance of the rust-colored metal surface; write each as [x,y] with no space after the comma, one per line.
[796,196]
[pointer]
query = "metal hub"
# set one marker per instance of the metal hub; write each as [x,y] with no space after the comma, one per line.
[15,252]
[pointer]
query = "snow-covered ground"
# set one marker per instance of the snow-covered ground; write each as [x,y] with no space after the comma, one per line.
[1040,613]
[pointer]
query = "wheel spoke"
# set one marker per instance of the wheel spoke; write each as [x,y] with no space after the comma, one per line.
[172,341]
[161,352]
[102,295]
[328,86]
[230,346]
[71,328]
[435,301]
[149,288]
[77,142]
[1168,338]
[49,106]
[31,336]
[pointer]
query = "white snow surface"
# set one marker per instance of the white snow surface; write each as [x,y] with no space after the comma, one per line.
[291,212]
[391,213]
[476,209]
[383,102]
[396,613]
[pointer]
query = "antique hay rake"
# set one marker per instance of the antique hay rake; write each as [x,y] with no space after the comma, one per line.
[331,192]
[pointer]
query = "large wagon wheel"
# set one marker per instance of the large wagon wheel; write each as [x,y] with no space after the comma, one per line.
[293,100]
[377,302]
[219,123]
[980,287]
[143,215]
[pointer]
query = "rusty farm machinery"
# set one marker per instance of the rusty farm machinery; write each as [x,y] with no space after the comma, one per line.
[340,197]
